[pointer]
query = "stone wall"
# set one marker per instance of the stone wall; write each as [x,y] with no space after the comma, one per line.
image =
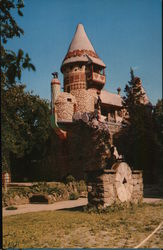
[85,148]
[65,106]
[85,101]
[113,129]
[74,77]
[137,185]
[102,189]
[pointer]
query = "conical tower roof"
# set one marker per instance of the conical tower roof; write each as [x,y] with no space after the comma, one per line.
[80,40]
[81,49]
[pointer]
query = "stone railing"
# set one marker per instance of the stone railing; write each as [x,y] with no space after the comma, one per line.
[96,77]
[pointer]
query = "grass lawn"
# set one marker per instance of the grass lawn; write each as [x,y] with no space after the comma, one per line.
[115,229]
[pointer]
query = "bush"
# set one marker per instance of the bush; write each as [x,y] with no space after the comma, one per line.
[81,186]
[69,178]
[74,196]
[11,208]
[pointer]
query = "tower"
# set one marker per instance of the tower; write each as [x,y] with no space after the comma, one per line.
[83,71]
[55,90]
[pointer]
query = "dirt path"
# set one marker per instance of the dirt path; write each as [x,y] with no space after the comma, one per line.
[27,208]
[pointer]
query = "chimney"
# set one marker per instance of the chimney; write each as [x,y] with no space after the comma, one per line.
[119,90]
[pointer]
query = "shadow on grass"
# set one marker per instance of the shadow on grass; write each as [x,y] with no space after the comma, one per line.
[75,209]
[154,196]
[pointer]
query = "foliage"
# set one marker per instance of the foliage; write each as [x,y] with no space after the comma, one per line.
[43,187]
[142,149]
[74,196]
[133,92]
[26,125]
[69,178]
[12,63]
[59,190]
[112,208]
[94,136]
[9,28]
[81,186]
[158,115]
[11,208]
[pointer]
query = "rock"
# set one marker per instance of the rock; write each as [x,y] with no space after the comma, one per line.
[94,123]
[77,116]
[85,117]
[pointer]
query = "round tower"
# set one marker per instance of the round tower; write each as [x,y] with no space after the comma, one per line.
[82,68]
[55,90]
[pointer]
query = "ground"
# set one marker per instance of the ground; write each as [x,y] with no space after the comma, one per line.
[124,228]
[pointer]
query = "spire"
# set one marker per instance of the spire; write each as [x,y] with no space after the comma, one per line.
[80,40]
[80,49]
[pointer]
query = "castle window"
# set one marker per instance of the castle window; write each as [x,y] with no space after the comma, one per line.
[69,99]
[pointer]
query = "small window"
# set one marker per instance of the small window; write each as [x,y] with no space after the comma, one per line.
[69,99]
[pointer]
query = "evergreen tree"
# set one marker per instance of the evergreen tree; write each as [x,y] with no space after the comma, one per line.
[158,117]
[137,141]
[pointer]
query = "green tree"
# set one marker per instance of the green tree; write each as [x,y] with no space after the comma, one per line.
[25,125]
[138,141]
[12,63]
[158,117]
[28,134]
[25,117]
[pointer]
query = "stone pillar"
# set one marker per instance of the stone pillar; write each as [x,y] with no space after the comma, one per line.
[115,114]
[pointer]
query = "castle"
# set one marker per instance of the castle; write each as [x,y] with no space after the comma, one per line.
[84,80]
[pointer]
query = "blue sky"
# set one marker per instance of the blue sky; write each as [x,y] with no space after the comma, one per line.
[124,33]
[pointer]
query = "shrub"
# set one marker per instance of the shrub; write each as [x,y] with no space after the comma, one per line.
[11,208]
[69,178]
[81,186]
[74,196]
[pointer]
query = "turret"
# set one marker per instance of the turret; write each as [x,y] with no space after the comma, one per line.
[55,90]
[82,68]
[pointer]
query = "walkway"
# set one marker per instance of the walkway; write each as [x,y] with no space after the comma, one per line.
[27,208]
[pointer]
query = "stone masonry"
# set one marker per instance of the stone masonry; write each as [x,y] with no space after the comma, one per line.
[103,191]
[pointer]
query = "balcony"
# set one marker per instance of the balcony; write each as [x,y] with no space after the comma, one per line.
[97,78]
